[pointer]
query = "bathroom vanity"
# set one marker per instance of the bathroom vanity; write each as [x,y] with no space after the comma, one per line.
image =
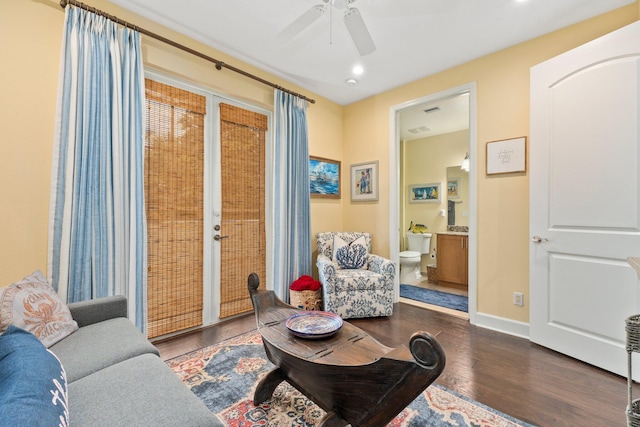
[453,259]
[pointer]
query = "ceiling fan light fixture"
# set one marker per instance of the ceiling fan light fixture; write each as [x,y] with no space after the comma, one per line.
[352,20]
[340,4]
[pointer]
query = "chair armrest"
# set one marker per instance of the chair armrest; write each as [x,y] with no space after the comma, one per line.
[98,310]
[326,268]
[381,265]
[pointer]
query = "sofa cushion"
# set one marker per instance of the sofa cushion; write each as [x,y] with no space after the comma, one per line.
[141,391]
[94,347]
[351,255]
[33,305]
[33,388]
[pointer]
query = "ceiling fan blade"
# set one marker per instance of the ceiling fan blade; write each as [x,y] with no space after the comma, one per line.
[306,19]
[358,31]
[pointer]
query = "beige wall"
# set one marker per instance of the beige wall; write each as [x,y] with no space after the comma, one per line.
[502,81]
[326,214]
[30,39]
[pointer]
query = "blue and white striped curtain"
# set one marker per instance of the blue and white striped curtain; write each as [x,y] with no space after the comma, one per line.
[292,221]
[97,235]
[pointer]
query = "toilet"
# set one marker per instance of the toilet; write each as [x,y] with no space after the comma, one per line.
[411,259]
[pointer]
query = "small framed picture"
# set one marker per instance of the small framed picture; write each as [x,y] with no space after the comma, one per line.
[453,188]
[424,193]
[364,181]
[324,178]
[507,156]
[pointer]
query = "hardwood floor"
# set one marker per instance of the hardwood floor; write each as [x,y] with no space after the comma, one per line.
[507,373]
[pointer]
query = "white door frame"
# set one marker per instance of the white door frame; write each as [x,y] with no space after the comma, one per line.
[394,183]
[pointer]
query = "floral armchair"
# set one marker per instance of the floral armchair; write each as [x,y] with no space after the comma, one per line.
[355,283]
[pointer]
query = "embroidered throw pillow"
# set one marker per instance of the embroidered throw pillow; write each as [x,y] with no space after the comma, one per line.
[33,305]
[33,384]
[350,255]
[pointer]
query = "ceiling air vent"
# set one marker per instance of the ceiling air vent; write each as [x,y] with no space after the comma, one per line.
[421,129]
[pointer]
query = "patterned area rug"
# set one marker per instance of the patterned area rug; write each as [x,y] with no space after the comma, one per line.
[224,376]
[431,296]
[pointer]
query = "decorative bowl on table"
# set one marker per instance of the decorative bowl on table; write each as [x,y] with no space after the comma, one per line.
[314,324]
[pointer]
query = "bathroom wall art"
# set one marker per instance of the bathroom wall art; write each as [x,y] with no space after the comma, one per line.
[507,156]
[364,181]
[324,178]
[424,193]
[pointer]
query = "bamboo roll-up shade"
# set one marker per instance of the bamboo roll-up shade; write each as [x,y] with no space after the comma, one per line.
[174,191]
[243,136]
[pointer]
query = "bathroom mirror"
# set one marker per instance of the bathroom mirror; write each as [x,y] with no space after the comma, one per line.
[457,196]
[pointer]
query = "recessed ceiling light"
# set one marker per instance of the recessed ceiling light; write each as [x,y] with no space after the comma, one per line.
[358,70]
[351,82]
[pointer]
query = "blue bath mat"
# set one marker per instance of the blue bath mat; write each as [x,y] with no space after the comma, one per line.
[430,296]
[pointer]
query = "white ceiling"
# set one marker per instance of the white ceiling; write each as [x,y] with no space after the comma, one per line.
[414,38]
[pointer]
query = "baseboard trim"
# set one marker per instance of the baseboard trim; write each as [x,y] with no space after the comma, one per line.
[501,324]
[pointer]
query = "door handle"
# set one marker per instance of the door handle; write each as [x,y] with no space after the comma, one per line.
[218,237]
[538,239]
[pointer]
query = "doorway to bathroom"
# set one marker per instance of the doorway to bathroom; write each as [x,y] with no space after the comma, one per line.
[435,184]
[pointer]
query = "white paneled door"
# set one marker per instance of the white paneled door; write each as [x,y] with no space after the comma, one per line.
[585,200]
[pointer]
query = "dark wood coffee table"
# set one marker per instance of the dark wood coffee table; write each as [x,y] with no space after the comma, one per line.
[350,375]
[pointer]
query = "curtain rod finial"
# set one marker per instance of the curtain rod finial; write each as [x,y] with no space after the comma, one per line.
[63,3]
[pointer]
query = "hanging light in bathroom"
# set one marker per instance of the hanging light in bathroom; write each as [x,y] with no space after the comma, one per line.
[465,163]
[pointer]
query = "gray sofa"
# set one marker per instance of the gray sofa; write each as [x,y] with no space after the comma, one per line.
[115,375]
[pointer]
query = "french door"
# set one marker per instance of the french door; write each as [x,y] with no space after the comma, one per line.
[205,205]
[241,225]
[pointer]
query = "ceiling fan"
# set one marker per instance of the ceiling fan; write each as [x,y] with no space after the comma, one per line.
[352,20]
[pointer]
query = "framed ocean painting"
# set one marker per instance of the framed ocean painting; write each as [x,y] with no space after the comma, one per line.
[324,178]
[424,193]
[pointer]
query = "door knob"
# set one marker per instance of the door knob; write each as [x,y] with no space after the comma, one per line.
[538,239]
[218,237]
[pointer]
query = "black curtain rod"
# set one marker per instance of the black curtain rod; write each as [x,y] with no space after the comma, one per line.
[219,64]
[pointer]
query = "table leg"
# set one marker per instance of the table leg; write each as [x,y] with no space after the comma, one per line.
[267,385]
